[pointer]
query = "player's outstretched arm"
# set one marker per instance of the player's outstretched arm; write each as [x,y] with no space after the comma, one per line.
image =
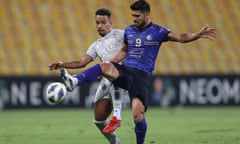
[205,32]
[86,59]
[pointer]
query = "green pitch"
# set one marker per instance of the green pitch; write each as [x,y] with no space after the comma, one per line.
[165,126]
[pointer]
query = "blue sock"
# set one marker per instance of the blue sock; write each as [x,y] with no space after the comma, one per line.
[89,74]
[140,131]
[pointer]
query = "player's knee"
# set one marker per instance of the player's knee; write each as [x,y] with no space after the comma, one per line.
[106,66]
[138,116]
[138,109]
[109,70]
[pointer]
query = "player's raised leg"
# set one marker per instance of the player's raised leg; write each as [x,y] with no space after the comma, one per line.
[72,81]
[106,69]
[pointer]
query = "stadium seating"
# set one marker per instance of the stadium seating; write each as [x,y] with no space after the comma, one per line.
[34,33]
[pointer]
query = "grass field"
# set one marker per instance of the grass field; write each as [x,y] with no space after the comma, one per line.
[165,126]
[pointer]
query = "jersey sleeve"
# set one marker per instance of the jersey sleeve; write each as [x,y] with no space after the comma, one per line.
[92,51]
[121,35]
[163,34]
[125,36]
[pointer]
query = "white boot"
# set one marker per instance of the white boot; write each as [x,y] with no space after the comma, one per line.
[69,81]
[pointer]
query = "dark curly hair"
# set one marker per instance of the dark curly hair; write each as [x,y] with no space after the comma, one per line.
[103,12]
[141,5]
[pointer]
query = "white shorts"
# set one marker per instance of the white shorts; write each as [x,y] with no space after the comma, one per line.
[105,90]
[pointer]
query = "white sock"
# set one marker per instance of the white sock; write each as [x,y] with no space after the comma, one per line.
[117,106]
[117,103]
[117,113]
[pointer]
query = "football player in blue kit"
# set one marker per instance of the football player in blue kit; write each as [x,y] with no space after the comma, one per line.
[142,41]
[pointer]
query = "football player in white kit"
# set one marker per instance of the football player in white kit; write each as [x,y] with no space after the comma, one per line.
[107,97]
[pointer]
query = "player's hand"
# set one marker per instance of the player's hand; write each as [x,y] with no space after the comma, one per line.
[55,65]
[208,32]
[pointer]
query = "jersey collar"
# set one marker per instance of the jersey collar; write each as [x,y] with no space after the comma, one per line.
[109,34]
[149,25]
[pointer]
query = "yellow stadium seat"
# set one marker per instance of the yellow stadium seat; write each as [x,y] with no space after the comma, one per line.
[63,29]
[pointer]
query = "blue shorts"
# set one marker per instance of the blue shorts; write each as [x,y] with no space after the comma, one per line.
[137,82]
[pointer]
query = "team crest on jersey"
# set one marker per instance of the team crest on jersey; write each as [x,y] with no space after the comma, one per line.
[149,37]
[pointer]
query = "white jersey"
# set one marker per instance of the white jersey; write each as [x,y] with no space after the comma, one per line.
[108,46]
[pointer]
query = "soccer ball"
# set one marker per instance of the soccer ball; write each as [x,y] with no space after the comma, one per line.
[56,92]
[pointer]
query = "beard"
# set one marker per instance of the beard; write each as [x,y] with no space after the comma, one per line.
[101,33]
[140,25]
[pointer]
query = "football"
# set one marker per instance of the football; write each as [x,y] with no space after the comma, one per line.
[56,92]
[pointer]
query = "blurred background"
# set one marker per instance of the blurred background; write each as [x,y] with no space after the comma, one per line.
[34,33]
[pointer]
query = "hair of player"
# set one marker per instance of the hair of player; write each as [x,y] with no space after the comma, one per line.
[103,12]
[141,5]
